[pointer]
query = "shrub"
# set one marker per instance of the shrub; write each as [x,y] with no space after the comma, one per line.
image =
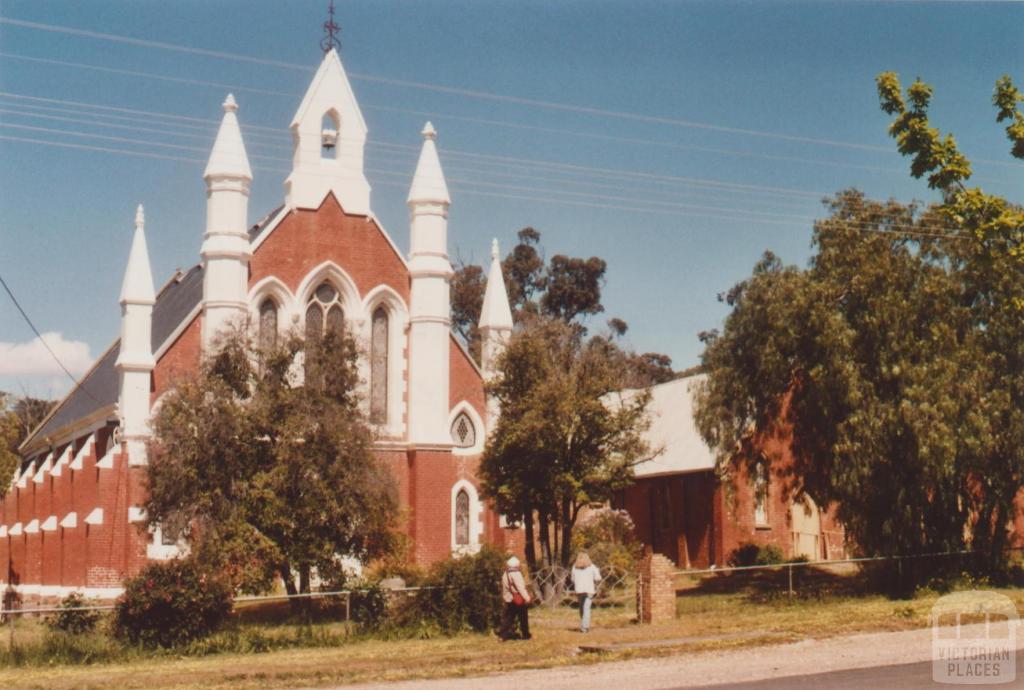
[465,594]
[754,554]
[71,619]
[170,604]
[369,605]
[395,566]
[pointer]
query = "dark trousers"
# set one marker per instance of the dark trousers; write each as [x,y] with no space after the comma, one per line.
[513,616]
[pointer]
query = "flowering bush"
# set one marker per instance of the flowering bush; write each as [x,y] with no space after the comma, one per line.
[608,536]
[170,604]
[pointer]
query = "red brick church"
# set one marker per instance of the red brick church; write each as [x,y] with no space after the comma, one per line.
[71,518]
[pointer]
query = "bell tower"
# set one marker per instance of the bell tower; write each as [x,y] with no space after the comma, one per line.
[328,136]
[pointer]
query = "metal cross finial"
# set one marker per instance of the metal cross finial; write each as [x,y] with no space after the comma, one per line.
[330,41]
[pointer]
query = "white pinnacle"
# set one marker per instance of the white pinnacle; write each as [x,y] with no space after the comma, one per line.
[496,313]
[228,157]
[428,184]
[137,287]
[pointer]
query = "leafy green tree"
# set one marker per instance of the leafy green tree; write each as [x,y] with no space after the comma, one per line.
[566,436]
[893,362]
[19,416]
[269,471]
[985,250]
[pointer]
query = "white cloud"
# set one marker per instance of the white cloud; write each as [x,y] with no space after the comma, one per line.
[32,359]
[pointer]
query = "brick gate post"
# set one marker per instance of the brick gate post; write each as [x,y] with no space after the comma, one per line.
[655,592]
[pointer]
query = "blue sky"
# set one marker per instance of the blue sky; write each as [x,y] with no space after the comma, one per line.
[680,210]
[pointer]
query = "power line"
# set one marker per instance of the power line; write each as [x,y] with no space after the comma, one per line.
[911,230]
[607,173]
[464,118]
[451,90]
[455,166]
[35,330]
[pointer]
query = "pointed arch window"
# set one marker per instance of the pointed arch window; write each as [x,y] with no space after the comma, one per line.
[463,432]
[761,494]
[379,366]
[462,518]
[268,323]
[324,308]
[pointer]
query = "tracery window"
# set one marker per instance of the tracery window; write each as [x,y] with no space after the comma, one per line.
[268,323]
[379,366]
[463,431]
[462,518]
[324,308]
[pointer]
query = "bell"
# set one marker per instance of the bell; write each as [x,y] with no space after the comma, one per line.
[329,137]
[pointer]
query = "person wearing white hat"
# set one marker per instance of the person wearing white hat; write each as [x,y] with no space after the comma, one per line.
[516,599]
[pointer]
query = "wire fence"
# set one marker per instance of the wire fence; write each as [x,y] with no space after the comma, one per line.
[799,572]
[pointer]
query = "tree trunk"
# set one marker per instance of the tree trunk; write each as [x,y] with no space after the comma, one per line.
[285,571]
[545,538]
[566,534]
[531,549]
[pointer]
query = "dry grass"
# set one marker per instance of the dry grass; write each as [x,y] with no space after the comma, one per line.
[706,619]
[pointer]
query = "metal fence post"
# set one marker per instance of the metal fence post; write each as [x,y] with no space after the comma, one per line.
[348,608]
[790,569]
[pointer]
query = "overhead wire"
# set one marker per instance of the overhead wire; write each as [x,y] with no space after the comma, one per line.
[464,118]
[456,165]
[451,90]
[28,320]
[911,230]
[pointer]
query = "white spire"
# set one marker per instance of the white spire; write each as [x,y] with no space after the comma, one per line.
[496,313]
[228,158]
[137,287]
[135,361]
[428,183]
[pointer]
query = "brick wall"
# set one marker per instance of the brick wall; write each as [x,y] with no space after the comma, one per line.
[466,383]
[305,239]
[179,361]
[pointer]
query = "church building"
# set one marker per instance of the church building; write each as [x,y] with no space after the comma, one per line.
[71,519]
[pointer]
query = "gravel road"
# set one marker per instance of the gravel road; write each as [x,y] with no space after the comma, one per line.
[803,658]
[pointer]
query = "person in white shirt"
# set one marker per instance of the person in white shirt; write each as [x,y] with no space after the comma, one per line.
[585,577]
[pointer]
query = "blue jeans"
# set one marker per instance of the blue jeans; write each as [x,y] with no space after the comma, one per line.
[585,601]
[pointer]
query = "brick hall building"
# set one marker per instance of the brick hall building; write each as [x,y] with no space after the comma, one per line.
[71,518]
[684,511]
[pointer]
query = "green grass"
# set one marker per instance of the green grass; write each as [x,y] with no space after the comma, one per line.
[266,648]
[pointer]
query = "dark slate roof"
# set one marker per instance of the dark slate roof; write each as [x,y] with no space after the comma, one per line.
[257,230]
[99,388]
[175,301]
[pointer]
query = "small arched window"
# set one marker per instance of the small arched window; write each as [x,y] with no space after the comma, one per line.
[463,431]
[379,366]
[324,307]
[268,323]
[462,518]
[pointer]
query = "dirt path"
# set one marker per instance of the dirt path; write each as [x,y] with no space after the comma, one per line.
[709,668]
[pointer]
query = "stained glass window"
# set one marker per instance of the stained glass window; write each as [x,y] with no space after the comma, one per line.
[268,323]
[462,518]
[379,367]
